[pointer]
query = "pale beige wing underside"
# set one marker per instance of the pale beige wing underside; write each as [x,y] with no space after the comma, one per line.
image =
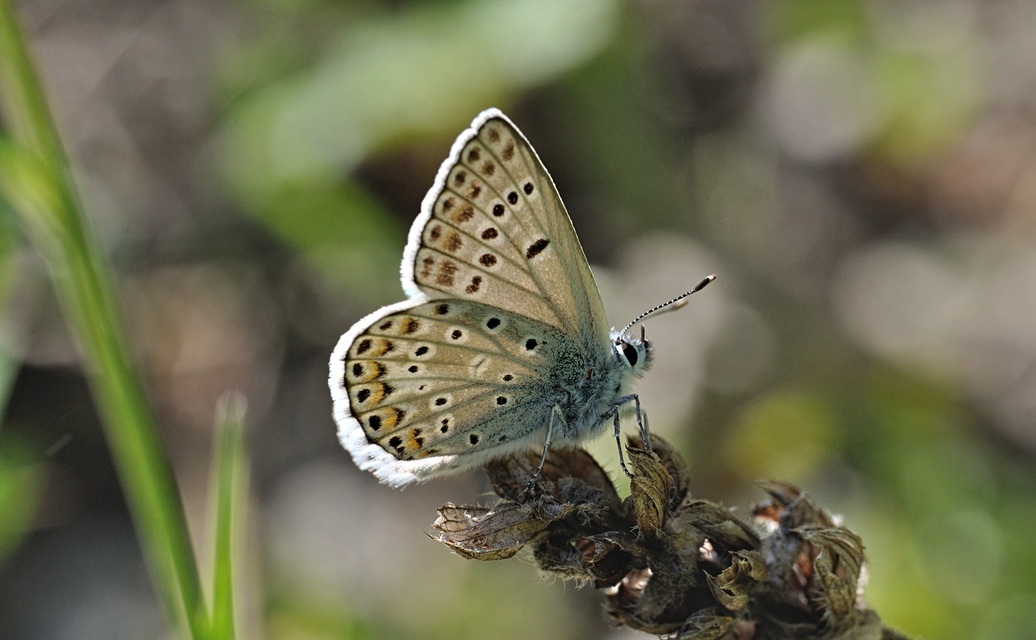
[446,378]
[494,230]
[500,296]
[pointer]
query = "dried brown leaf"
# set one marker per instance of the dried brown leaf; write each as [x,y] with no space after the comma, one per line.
[651,490]
[719,525]
[608,556]
[734,585]
[510,475]
[670,459]
[479,533]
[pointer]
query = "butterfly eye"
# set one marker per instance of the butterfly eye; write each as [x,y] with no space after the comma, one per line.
[630,353]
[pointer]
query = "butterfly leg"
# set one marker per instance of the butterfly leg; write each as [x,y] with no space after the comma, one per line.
[555,414]
[618,441]
[645,434]
[641,424]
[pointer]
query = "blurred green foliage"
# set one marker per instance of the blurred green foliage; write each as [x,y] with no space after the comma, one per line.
[20,489]
[858,173]
[379,82]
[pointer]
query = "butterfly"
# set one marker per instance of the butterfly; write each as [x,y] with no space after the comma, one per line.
[502,344]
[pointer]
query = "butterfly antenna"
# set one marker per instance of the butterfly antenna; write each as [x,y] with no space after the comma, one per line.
[665,305]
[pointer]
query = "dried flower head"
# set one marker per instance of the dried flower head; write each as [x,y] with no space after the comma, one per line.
[667,563]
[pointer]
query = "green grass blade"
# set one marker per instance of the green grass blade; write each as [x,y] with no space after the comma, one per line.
[228,500]
[21,487]
[35,185]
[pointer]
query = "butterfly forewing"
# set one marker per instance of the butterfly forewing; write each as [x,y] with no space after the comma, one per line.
[496,232]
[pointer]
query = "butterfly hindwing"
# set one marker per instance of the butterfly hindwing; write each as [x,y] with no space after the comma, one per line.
[493,230]
[421,385]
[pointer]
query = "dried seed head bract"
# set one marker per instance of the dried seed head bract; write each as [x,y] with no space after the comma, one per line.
[670,564]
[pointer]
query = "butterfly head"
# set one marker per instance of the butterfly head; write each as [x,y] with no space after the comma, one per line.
[635,353]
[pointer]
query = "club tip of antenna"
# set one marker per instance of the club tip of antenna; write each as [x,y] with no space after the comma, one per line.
[676,303]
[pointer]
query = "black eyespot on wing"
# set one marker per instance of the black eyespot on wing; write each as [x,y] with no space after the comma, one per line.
[357,369]
[362,395]
[412,368]
[527,188]
[498,209]
[473,439]
[536,248]
[374,422]
[457,334]
[501,400]
[512,197]
[531,344]
[492,323]
[442,309]
[420,351]
[363,346]
[490,233]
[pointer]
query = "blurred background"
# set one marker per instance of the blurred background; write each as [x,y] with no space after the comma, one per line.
[860,174]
